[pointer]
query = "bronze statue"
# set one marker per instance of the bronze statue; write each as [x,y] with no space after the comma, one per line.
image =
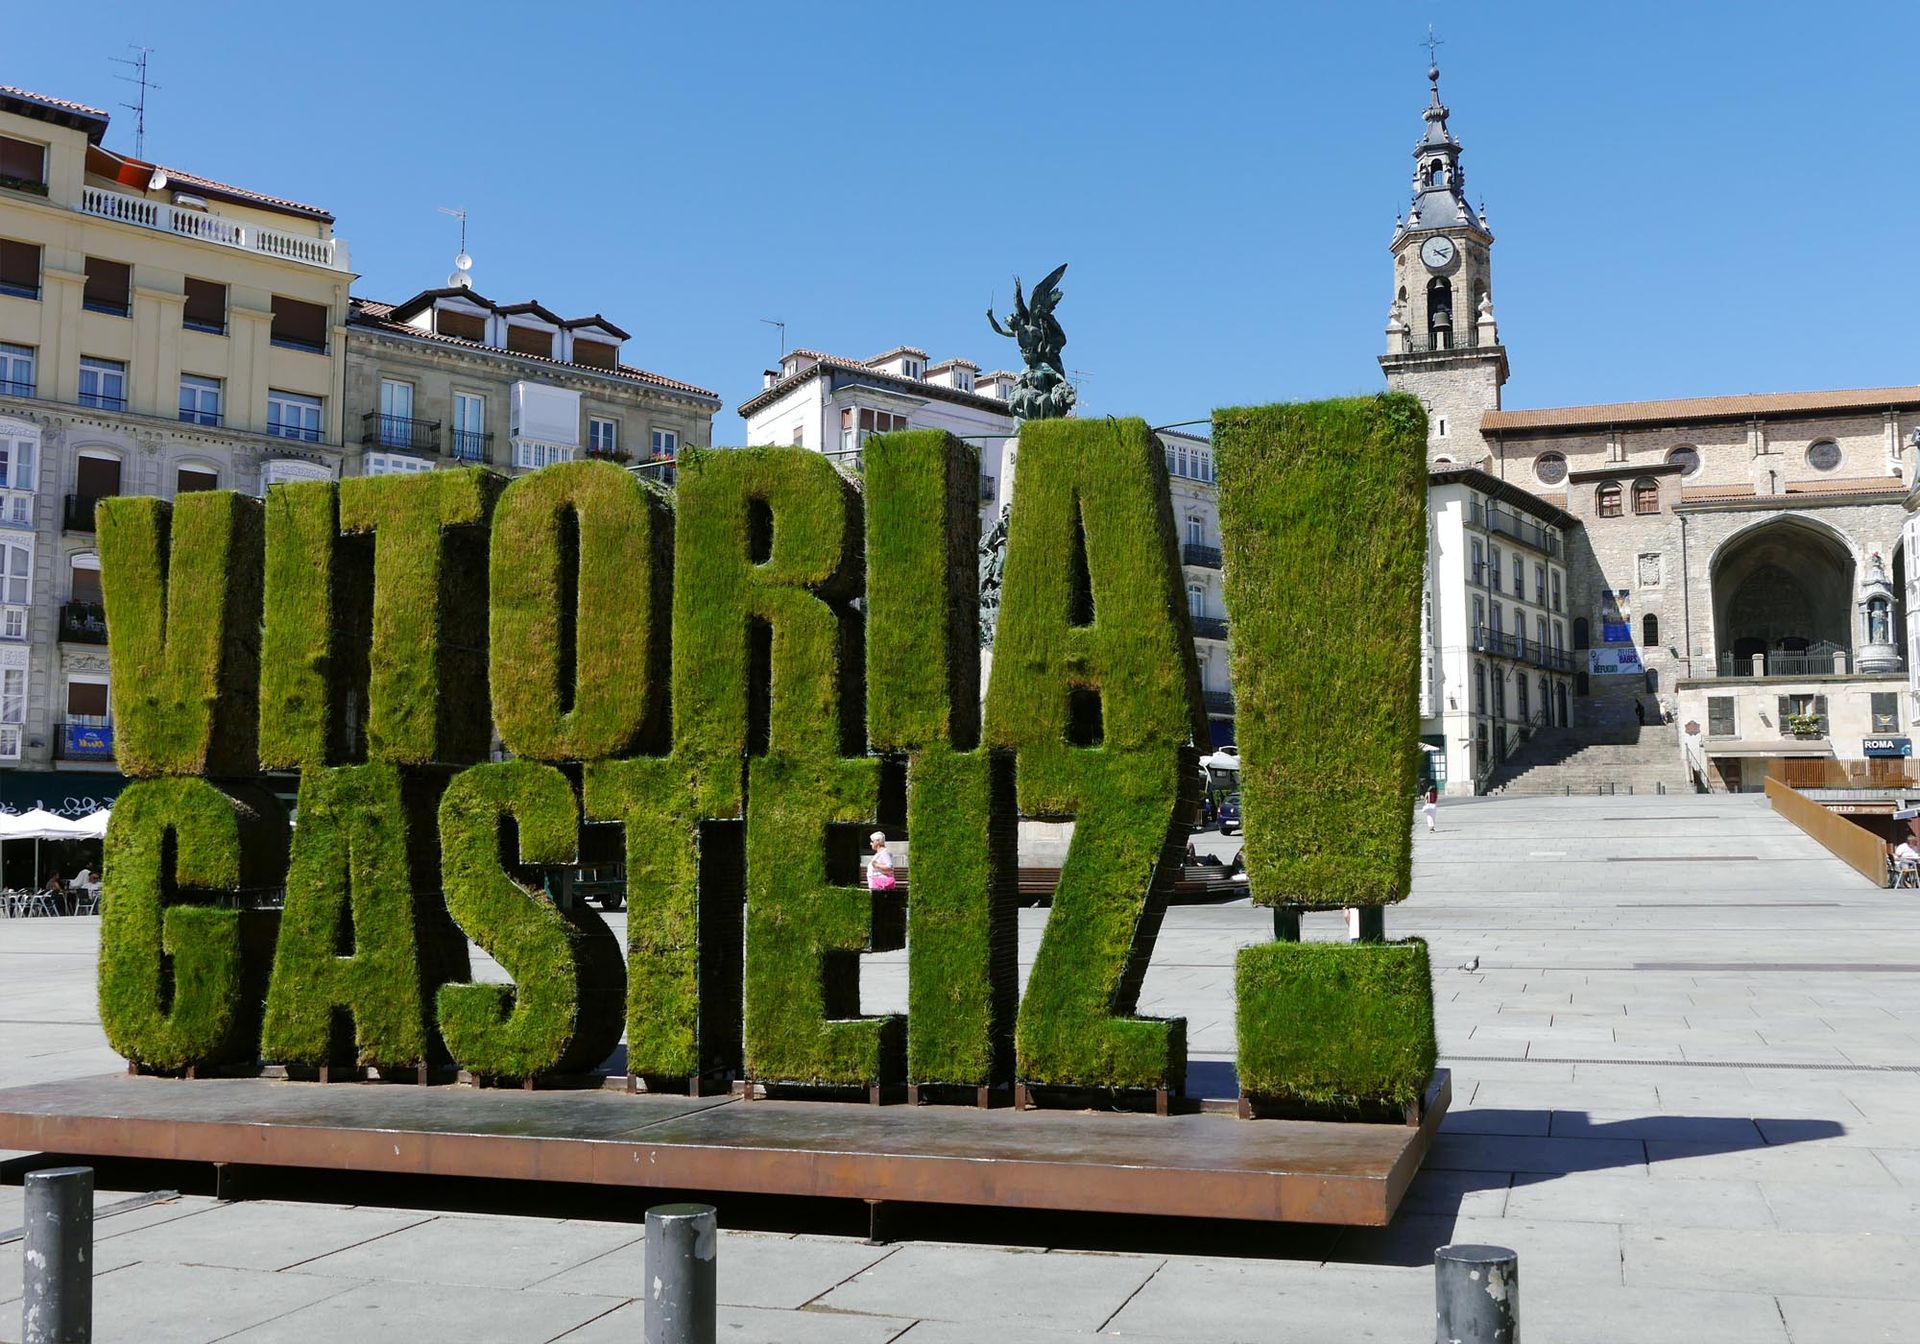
[1042,392]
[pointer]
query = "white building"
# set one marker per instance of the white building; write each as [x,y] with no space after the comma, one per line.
[831,404]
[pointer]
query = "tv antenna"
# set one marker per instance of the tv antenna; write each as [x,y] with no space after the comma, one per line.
[138,64]
[462,277]
[783,334]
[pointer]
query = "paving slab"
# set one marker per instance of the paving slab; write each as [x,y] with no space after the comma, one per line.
[971,1284]
[483,1252]
[376,1311]
[196,1304]
[1861,1264]
[755,1325]
[754,1270]
[1843,1320]
[261,1235]
[1259,1301]
[1648,1316]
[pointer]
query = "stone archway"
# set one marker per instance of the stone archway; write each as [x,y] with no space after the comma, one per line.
[1783,586]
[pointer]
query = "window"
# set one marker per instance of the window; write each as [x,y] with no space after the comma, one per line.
[23,165]
[532,454]
[1479,611]
[858,424]
[19,444]
[1686,457]
[1499,695]
[596,354]
[19,269]
[1649,631]
[1559,636]
[1480,688]
[1496,570]
[469,427]
[1440,427]
[109,287]
[1498,619]
[1520,698]
[666,442]
[292,415]
[206,307]
[396,464]
[1556,590]
[603,436]
[1540,585]
[1540,633]
[13,708]
[199,399]
[16,584]
[1479,562]
[1606,500]
[1196,599]
[1885,709]
[1519,575]
[189,479]
[16,370]
[529,341]
[103,383]
[1646,495]
[1580,636]
[395,427]
[461,326]
[1196,530]
[299,325]
[1809,710]
[1824,455]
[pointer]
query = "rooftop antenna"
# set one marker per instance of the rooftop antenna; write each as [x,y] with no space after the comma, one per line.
[462,277]
[783,334]
[138,64]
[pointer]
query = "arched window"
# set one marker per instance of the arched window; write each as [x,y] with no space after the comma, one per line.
[1649,631]
[1196,599]
[1823,455]
[191,476]
[1580,632]
[1550,468]
[1686,457]
[1436,173]
[84,578]
[1606,500]
[1196,530]
[1646,495]
[1440,312]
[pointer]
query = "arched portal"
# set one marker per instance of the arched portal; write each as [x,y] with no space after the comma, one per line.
[1785,586]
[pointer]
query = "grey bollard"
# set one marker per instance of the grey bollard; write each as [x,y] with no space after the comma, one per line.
[58,1269]
[1476,1291]
[682,1256]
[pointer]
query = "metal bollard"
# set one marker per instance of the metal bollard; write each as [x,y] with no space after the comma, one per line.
[681,1260]
[1476,1292]
[58,1271]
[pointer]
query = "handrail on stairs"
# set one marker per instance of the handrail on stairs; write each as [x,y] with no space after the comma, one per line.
[1519,739]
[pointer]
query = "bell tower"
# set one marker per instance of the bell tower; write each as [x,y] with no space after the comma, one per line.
[1443,345]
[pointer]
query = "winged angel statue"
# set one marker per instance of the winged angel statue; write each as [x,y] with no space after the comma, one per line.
[1042,392]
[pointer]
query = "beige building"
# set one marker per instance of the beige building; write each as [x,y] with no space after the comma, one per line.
[1735,566]
[160,332]
[452,378]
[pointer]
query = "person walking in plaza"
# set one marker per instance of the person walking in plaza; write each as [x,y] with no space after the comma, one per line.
[880,869]
[1640,711]
[1430,806]
[1906,864]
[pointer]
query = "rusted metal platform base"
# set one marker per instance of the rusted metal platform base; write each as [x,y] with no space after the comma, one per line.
[1193,1165]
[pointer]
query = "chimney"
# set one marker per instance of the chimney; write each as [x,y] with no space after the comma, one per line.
[768,377]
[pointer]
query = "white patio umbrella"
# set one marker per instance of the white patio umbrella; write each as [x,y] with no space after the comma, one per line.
[93,826]
[39,825]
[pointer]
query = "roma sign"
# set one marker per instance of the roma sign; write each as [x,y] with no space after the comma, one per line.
[727,686]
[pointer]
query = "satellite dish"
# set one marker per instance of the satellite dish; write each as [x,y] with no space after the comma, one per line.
[463,262]
[158,182]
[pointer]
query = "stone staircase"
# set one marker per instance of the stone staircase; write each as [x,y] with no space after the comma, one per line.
[1561,760]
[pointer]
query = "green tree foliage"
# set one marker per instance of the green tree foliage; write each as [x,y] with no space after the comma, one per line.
[427,692]
[561,1014]
[1335,1027]
[182,588]
[182,979]
[364,928]
[1095,688]
[315,631]
[582,592]
[1323,519]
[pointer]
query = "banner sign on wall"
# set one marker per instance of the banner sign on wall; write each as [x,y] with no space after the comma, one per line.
[1616,618]
[1614,662]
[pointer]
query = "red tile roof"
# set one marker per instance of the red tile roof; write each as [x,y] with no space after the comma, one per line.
[1849,485]
[1770,404]
[64,104]
[180,177]
[59,111]
[932,391]
[372,313]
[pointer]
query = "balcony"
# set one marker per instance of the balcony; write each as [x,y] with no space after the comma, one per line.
[1443,338]
[84,737]
[1209,627]
[1523,530]
[1519,647]
[1826,659]
[466,445]
[399,431]
[207,227]
[83,623]
[1201,557]
[78,514]
[1220,703]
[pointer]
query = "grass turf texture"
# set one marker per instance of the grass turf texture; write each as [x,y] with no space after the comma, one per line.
[364,929]
[963,981]
[182,589]
[181,984]
[582,591]
[1335,1027]
[315,626]
[1323,520]
[683,920]
[561,1014]
[922,500]
[806,927]
[1094,605]
[767,651]
[427,690]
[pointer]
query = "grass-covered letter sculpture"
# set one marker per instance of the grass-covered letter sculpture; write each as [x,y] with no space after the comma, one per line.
[484,692]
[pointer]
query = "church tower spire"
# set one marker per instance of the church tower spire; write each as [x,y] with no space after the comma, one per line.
[1443,344]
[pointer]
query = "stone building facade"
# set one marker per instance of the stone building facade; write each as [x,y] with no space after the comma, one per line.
[1719,551]
[160,332]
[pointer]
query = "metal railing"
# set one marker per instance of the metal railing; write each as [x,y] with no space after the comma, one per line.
[400,431]
[1443,338]
[77,516]
[467,445]
[1204,557]
[83,737]
[1503,645]
[1508,738]
[1209,627]
[1815,662]
[1523,530]
[1219,702]
[83,623]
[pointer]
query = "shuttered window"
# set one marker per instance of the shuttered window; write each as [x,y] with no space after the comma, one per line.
[22,163]
[298,324]
[109,287]
[19,269]
[206,308]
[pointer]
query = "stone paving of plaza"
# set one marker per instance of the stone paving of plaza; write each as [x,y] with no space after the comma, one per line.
[1686,1075]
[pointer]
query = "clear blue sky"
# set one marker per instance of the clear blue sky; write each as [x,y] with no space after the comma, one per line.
[1689,198]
